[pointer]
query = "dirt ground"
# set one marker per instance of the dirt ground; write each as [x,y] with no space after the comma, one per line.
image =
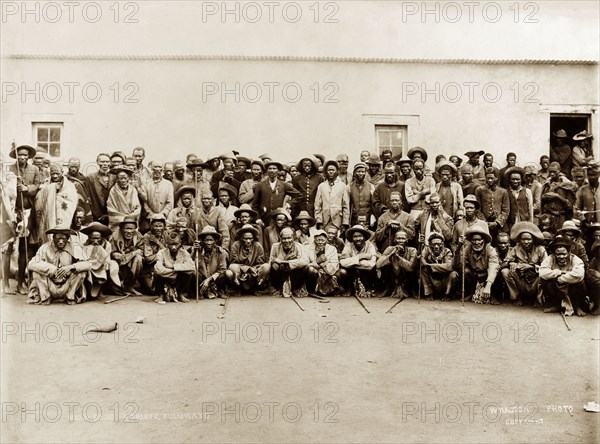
[269,372]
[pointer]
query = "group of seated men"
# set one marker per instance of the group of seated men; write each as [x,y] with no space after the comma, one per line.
[391,227]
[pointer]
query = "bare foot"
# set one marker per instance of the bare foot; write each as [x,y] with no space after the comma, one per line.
[580,312]
[21,289]
[552,310]
[7,289]
[495,301]
[182,298]
[133,291]
[46,302]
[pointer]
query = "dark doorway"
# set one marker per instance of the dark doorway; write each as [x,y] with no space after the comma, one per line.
[571,123]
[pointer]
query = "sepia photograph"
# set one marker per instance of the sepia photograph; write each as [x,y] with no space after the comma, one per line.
[308,221]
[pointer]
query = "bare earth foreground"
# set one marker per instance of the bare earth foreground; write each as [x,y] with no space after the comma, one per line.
[428,372]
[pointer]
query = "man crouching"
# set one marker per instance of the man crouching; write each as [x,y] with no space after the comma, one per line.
[174,270]
[58,270]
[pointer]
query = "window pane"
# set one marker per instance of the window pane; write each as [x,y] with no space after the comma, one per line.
[42,134]
[43,146]
[396,138]
[54,134]
[55,149]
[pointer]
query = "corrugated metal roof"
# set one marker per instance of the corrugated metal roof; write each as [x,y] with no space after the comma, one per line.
[317,59]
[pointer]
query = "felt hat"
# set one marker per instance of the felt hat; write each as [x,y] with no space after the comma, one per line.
[128,220]
[373,159]
[321,158]
[31,151]
[97,226]
[277,211]
[476,229]
[418,149]
[569,225]
[61,230]
[121,169]
[470,154]
[514,170]
[264,156]
[259,163]
[526,227]
[158,217]
[560,133]
[531,169]
[233,192]
[246,160]
[277,164]
[226,156]
[319,233]
[582,135]
[331,162]
[404,159]
[305,216]
[435,235]
[472,199]
[359,165]
[247,228]
[196,163]
[245,208]
[560,241]
[592,227]
[185,189]
[594,165]
[444,164]
[209,229]
[312,159]
[595,248]
[554,166]
[357,229]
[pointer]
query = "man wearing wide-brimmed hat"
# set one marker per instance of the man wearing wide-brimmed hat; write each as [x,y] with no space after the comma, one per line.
[248,261]
[582,152]
[570,230]
[270,194]
[357,262]
[173,270]
[58,270]
[280,219]
[245,215]
[374,174]
[227,200]
[332,202]
[522,264]
[478,168]
[307,182]
[198,181]
[247,187]
[127,252]
[212,264]
[521,198]
[562,275]
[185,206]
[123,200]
[417,188]
[436,269]
[104,274]
[305,228]
[481,265]
[561,152]
[150,244]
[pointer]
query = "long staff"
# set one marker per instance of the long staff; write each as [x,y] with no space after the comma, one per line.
[420,270]
[462,291]
[20,195]
[197,234]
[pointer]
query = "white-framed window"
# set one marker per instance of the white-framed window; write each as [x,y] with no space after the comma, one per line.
[49,136]
[392,137]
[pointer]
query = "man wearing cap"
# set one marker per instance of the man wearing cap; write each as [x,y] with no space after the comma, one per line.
[478,168]
[393,220]
[417,188]
[383,190]
[357,262]
[374,174]
[466,181]
[587,199]
[270,194]
[241,170]
[307,182]
[123,200]
[174,270]
[98,185]
[185,206]
[561,275]
[288,262]
[451,193]
[58,270]
[227,199]
[209,214]
[343,173]
[104,272]
[419,153]
[436,268]
[280,219]
[212,264]
[494,202]
[322,266]
[522,263]
[434,219]
[405,167]
[481,265]
[150,244]
[246,194]
[250,272]
[398,263]
[521,198]
[158,195]
[360,192]
[332,202]
[570,231]
[127,253]
[472,217]
[582,152]
[561,152]
[55,204]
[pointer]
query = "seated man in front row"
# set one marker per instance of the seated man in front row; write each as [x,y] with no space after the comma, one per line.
[323,265]
[397,264]
[288,262]
[58,270]
[173,270]
[212,271]
[480,263]
[561,276]
[436,268]
[357,262]
[250,272]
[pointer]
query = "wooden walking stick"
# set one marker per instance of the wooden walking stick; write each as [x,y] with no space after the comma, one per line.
[197,252]
[25,233]
[462,291]
[397,302]
[297,303]
[420,270]
[565,319]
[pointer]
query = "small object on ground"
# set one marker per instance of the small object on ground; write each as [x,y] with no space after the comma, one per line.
[117,299]
[592,406]
[140,320]
[297,303]
[323,315]
[372,362]
[565,319]
[109,329]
